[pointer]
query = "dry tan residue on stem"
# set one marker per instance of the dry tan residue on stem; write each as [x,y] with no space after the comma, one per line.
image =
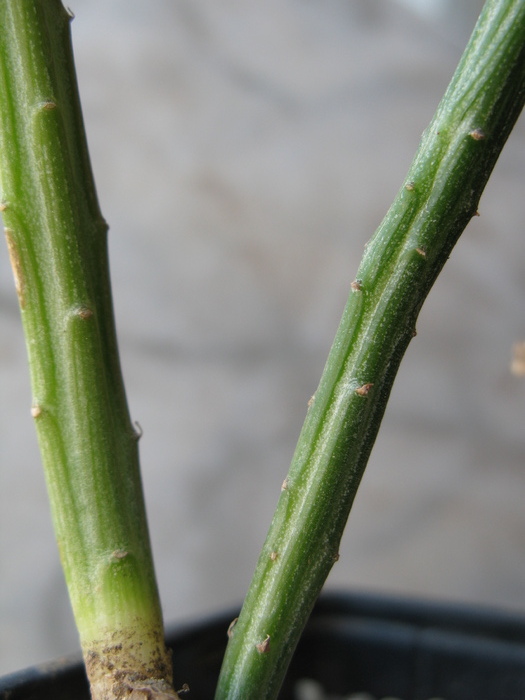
[16,266]
[122,669]
[36,410]
[477,134]
[231,627]
[118,554]
[364,389]
[264,646]
[84,312]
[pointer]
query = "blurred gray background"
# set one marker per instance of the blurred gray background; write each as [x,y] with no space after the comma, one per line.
[244,153]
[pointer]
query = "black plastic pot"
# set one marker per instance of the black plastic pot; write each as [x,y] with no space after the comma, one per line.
[412,650]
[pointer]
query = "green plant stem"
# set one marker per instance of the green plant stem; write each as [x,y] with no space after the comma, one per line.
[438,198]
[57,244]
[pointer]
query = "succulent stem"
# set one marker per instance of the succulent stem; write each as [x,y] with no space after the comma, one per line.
[438,198]
[57,242]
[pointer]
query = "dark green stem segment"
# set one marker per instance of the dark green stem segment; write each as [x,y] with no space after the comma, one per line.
[438,198]
[57,241]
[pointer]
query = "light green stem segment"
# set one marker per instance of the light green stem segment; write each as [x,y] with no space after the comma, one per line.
[401,262]
[57,244]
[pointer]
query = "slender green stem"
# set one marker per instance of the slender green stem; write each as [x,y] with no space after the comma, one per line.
[438,198]
[57,244]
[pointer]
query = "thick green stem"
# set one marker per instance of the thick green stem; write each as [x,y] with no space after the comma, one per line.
[438,198]
[57,244]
